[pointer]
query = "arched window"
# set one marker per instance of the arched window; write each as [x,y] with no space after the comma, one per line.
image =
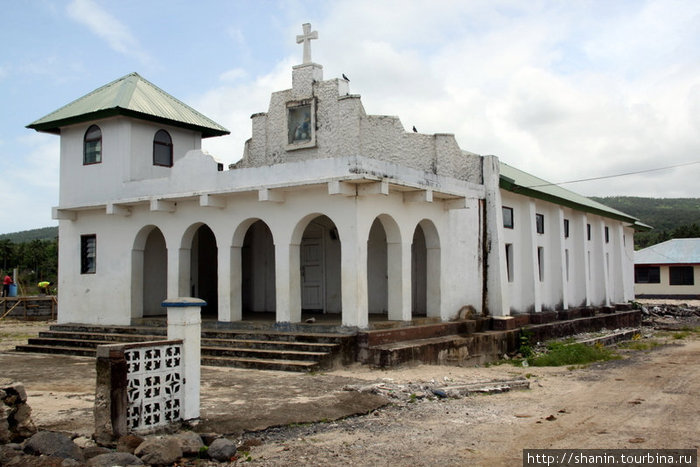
[162,149]
[92,146]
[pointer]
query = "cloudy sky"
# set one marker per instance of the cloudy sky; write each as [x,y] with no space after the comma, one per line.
[565,90]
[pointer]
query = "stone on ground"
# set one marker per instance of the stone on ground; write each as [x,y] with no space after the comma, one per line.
[158,450]
[49,443]
[222,450]
[114,458]
[189,441]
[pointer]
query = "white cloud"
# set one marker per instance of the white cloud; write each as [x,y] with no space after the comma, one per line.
[232,104]
[30,188]
[107,27]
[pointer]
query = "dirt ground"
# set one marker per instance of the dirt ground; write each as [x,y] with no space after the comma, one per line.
[648,399]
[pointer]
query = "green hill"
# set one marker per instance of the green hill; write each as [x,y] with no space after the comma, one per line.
[45,233]
[670,217]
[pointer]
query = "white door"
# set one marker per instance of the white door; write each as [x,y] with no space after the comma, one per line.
[312,269]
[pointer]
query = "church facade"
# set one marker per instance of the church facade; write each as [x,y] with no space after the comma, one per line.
[330,210]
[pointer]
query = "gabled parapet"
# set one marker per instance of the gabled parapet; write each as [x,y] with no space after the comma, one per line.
[319,119]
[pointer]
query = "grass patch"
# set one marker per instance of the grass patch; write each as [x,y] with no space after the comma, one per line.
[566,354]
[639,345]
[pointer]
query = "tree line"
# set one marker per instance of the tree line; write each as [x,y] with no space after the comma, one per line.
[35,260]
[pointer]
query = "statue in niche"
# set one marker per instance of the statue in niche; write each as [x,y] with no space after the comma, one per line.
[299,124]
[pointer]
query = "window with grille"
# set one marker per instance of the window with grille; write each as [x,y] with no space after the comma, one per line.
[88,254]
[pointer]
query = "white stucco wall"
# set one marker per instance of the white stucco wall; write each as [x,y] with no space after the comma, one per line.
[598,271]
[106,296]
[127,154]
[664,286]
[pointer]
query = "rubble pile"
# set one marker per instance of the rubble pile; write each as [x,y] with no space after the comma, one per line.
[15,414]
[670,316]
[433,390]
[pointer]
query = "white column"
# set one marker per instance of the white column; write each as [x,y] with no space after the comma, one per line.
[288,283]
[236,284]
[185,323]
[560,255]
[585,248]
[399,281]
[354,280]
[137,283]
[532,273]
[498,299]
[173,287]
[224,283]
[605,262]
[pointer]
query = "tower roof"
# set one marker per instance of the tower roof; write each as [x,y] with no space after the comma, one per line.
[131,96]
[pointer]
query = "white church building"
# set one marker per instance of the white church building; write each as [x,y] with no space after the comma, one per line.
[330,211]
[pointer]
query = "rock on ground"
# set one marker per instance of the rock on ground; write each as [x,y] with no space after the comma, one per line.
[189,441]
[222,450]
[158,450]
[129,443]
[49,443]
[114,458]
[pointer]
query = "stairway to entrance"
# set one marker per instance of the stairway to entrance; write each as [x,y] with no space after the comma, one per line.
[241,348]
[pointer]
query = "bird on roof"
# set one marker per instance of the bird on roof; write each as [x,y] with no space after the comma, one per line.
[414,129]
[345,78]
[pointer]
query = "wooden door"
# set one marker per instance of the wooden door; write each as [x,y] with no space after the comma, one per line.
[313,291]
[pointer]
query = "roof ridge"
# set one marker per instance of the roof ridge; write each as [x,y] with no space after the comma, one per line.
[171,97]
[75,101]
[130,95]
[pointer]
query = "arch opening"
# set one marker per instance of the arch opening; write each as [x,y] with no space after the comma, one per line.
[419,276]
[377,270]
[320,272]
[258,293]
[149,273]
[203,280]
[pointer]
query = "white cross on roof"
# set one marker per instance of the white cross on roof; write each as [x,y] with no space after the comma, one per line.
[306,39]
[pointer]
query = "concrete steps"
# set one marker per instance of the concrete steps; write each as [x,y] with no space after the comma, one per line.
[240,348]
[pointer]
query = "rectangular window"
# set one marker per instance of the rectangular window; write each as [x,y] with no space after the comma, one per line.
[88,254]
[509,261]
[681,275]
[566,228]
[647,274]
[607,234]
[588,231]
[507,217]
[540,262]
[539,222]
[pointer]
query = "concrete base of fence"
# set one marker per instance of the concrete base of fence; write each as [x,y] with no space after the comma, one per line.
[185,323]
[154,400]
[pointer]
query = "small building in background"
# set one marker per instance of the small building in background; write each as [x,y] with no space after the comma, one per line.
[668,270]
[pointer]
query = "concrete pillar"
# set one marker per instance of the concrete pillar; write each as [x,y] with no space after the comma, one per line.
[288,283]
[497,300]
[185,323]
[179,263]
[354,280]
[225,278]
[605,263]
[236,284]
[399,283]
[559,274]
[585,248]
[433,297]
[137,283]
[531,270]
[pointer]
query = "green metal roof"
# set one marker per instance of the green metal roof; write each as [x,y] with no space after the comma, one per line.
[523,183]
[131,96]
